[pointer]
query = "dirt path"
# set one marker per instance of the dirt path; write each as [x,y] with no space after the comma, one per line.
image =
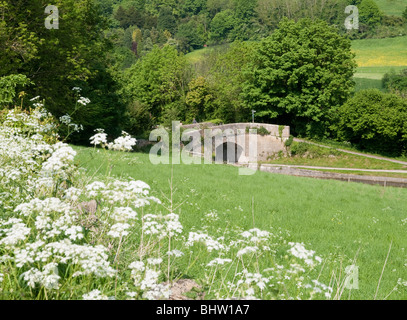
[355,153]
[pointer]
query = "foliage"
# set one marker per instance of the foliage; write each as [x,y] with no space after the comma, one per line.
[190,36]
[263,131]
[158,79]
[138,119]
[166,20]
[226,80]
[300,76]
[216,121]
[57,60]
[396,83]
[8,85]
[221,24]
[307,150]
[199,101]
[289,141]
[375,121]
[369,12]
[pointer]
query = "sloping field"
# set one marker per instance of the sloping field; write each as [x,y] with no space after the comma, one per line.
[392,7]
[375,57]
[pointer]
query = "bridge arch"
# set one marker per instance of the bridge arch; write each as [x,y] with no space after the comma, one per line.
[229,152]
[270,140]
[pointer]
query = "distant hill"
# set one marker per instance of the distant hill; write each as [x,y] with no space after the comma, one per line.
[392,7]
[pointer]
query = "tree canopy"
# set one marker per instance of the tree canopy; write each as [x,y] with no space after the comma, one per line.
[58,59]
[300,76]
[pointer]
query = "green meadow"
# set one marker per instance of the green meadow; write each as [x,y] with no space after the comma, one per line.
[392,7]
[345,223]
[376,57]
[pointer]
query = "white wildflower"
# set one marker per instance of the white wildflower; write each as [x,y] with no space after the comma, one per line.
[176,253]
[123,143]
[218,261]
[95,295]
[119,230]
[100,138]
[83,101]
[154,261]
[247,250]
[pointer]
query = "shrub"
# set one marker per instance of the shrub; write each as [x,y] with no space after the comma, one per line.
[396,83]
[289,141]
[263,131]
[375,121]
[8,86]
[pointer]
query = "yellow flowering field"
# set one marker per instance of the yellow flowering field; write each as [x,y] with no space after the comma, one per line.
[381,52]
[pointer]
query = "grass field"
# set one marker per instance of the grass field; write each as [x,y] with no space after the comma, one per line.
[197,56]
[392,7]
[375,57]
[341,160]
[381,53]
[340,221]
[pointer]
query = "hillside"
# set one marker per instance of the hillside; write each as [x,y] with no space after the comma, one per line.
[375,57]
[392,7]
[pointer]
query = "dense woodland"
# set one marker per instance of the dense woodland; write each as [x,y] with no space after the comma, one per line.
[290,60]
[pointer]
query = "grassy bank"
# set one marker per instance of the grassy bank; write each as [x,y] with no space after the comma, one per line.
[339,220]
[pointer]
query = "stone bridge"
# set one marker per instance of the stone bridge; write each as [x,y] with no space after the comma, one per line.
[235,143]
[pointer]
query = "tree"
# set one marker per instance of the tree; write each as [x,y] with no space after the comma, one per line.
[199,100]
[191,36]
[375,121]
[58,59]
[136,38]
[166,20]
[405,14]
[221,24]
[369,13]
[300,76]
[226,82]
[157,79]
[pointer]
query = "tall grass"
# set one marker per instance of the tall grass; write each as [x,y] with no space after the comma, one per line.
[334,218]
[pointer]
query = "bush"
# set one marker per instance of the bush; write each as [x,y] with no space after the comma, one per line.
[289,141]
[392,21]
[375,121]
[9,86]
[263,131]
[396,83]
